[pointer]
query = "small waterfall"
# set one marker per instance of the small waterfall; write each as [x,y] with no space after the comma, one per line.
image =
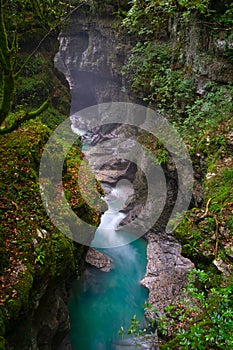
[106,235]
[102,302]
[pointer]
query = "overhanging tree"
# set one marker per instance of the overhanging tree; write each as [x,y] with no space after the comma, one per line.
[50,14]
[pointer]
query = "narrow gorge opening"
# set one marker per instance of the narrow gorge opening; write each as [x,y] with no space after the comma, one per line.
[149,68]
[94,74]
[102,302]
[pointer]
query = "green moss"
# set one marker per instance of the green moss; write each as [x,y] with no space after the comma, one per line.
[20,301]
[86,194]
[34,258]
[24,286]
[203,236]
[2,343]
[195,238]
[52,117]
[28,88]
[4,260]
[2,325]
[219,187]
[33,251]
[64,256]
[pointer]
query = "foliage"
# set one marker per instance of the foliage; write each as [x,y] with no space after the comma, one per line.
[208,120]
[203,319]
[46,14]
[34,249]
[49,13]
[146,18]
[215,328]
[82,190]
[138,331]
[155,150]
[20,199]
[209,318]
[205,232]
[158,71]
[108,7]
[206,238]
[151,74]
[223,12]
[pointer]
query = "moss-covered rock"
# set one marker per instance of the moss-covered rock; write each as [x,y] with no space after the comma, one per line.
[35,255]
[35,252]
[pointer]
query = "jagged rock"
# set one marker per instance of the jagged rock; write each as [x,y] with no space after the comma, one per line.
[47,325]
[98,260]
[84,57]
[54,326]
[112,173]
[110,159]
[132,213]
[166,269]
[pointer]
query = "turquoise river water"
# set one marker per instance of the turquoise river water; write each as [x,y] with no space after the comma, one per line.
[102,302]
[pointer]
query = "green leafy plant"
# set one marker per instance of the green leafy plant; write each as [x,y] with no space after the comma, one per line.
[208,318]
[40,255]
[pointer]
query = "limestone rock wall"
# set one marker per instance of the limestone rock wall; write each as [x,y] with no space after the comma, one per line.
[91,57]
[205,51]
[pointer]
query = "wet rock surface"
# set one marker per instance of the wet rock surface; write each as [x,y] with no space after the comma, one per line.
[99,260]
[47,325]
[166,269]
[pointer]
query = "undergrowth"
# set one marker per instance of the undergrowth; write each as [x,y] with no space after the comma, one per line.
[160,72]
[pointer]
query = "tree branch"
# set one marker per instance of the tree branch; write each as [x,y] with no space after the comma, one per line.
[28,116]
[206,209]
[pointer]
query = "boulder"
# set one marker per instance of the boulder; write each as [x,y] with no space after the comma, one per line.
[98,260]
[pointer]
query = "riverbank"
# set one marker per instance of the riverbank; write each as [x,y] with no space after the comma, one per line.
[37,261]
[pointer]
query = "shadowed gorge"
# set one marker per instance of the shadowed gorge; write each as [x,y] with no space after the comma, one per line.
[150,67]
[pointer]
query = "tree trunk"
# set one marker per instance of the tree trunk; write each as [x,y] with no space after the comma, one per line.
[8,88]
